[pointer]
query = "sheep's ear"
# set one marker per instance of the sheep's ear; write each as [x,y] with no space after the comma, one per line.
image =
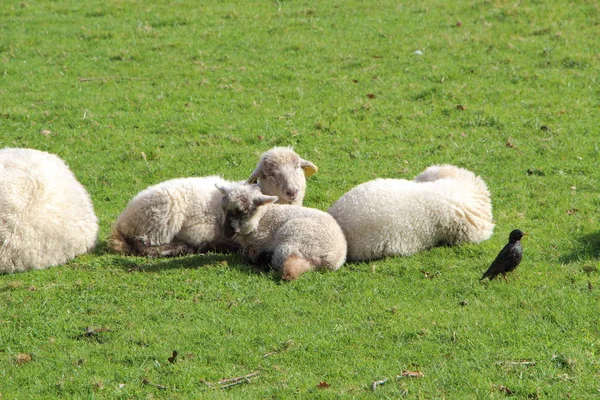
[309,168]
[262,200]
[255,175]
[224,189]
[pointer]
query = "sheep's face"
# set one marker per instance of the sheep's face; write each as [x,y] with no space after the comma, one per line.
[286,182]
[282,173]
[241,206]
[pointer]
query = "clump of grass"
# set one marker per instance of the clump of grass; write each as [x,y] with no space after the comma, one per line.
[133,95]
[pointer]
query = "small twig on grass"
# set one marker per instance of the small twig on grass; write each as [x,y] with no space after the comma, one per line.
[145,381]
[238,378]
[229,382]
[246,380]
[378,383]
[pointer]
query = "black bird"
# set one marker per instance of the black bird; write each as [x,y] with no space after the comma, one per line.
[509,257]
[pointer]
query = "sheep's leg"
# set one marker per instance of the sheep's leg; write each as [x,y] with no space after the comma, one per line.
[293,267]
[172,249]
[258,256]
[253,254]
[225,247]
[264,258]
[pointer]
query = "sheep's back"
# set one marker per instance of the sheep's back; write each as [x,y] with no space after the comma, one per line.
[179,207]
[308,232]
[46,215]
[386,217]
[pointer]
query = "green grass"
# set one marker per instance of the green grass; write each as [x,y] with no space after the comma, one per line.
[134,93]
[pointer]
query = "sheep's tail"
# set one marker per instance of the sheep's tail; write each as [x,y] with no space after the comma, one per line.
[295,266]
[119,243]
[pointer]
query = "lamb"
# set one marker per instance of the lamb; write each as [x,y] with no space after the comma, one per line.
[293,239]
[281,172]
[47,216]
[184,216]
[444,205]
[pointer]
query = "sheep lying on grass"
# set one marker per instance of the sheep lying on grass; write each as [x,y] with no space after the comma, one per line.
[184,216]
[389,217]
[47,216]
[293,239]
[281,172]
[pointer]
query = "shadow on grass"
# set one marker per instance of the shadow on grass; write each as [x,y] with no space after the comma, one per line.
[102,248]
[150,264]
[588,249]
[197,261]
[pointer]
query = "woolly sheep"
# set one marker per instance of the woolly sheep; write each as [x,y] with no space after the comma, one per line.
[294,239]
[390,217]
[281,172]
[184,216]
[47,216]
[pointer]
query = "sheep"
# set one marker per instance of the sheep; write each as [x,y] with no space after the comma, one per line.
[294,239]
[444,205]
[47,216]
[445,171]
[183,216]
[281,172]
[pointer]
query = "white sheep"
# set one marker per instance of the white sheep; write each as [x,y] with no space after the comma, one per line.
[444,205]
[46,215]
[184,216]
[294,239]
[281,172]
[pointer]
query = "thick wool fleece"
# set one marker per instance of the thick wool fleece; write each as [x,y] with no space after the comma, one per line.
[185,209]
[46,215]
[396,217]
[293,231]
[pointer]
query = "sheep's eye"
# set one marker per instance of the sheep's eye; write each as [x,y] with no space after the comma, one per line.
[235,214]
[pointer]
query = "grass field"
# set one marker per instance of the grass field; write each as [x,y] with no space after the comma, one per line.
[132,93]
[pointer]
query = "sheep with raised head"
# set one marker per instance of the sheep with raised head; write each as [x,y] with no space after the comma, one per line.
[444,205]
[293,239]
[184,216]
[281,172]
[47,216]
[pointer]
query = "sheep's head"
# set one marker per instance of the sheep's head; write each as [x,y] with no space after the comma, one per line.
[241,204]
[282,173]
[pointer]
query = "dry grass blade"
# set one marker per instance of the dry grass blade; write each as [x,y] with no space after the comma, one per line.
[229,382]
[522,362]
[238,378]
[23,358]
[410,374]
